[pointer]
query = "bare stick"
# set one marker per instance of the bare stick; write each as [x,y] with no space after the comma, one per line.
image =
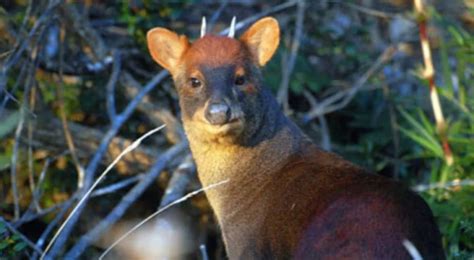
[217,14]
[117,186]
[342,99]
[111,110]
[126,202]
[290,65]
[14,159]
[64,209]
[253,18]
[366,10]
[179,181]
[35,196]
[414,253]
[325,133]
[31,171]
[62,113]
[204,254]
[443,185]
[86,195]
[429,73]
[187,196]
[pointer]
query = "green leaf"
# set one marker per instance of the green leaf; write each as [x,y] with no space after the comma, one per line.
[422,133]
[433,147]
[19,246]
[2,228]
[4,164]
[9,123]
[4,244]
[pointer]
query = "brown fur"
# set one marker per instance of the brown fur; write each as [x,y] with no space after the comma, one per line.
[285,197]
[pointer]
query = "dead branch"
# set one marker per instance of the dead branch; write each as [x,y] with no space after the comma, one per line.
[49,135]
[125,203]
[456,184]
[62,113]
[429,74]
[155,113]
[179,181]
[341,99]
[287,70]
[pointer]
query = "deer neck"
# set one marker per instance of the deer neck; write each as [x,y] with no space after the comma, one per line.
[248,166]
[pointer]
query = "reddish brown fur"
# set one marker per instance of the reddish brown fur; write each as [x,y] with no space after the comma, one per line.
[225,51]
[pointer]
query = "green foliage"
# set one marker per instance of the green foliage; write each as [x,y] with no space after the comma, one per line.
[49,90]
[139,19]
[304,75]
[9,123]
[11,245]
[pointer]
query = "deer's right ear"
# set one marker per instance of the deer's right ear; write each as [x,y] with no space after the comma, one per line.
[166,47]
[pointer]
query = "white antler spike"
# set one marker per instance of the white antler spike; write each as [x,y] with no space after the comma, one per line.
[203,26]
[232,28]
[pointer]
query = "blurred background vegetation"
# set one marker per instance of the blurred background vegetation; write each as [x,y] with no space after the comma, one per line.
[350,73]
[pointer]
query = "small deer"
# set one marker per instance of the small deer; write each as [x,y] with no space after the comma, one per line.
[285,198]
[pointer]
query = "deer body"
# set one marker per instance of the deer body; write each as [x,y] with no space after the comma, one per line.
[285,197]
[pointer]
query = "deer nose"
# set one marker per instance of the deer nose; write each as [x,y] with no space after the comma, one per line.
[218,113]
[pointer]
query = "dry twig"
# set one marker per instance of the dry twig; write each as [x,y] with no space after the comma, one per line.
[341,99]
[184,198]
[126,201]
[287,70]
[98,180]
[429,74]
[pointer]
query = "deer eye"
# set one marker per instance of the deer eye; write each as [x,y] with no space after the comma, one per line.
[239,80]
[195,83]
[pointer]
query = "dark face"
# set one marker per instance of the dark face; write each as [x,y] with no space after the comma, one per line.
[218,88]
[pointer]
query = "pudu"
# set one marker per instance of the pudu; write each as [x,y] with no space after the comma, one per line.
[285,198]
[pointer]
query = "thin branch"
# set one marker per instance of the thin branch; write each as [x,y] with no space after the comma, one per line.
[282,96]
[184,198]
[14,160]
[3,86]
[157,114]
[202,249]
[217,14]
[325,133]
[367,10]
[255,17]
[125,203]
[64,209]
[429,74]
[62,113]
[111,110]
[98,180]
[14,157]
[414,253]
[117,186]
[31,170]
[443,185]
[179,181]
[341,99]
[35,194]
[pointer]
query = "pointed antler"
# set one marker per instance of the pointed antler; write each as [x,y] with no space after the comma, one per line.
[203,26]
[232,28]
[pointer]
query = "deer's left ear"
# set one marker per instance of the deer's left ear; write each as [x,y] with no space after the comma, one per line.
[166,47]
[262,38]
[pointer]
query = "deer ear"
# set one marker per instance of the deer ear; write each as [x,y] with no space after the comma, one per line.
[166,47]
[262,39]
